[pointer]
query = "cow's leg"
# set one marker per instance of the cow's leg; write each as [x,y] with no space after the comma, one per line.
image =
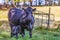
[20,30]
[11,26]
[11,30]
[30,33]
[30,30]
[11,34]
[16,36]
[23,32]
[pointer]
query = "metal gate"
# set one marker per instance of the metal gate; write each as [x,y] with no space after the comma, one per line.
[41,18]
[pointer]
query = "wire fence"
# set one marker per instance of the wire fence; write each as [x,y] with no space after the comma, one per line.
[41,18]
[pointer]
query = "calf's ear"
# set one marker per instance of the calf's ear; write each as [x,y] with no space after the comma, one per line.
[34,9]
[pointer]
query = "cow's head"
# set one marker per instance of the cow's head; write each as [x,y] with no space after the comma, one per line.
[30,10]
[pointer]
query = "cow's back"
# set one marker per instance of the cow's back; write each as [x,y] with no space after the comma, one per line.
[16,15]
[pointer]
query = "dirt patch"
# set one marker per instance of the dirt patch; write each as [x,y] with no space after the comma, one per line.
[4,25]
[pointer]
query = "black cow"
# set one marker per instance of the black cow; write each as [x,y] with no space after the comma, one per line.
[28,21]
[20,20]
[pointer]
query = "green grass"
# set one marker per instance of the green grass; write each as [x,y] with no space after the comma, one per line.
[37,35]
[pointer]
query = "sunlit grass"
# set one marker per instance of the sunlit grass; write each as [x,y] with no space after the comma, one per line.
[3,14]
[2,17]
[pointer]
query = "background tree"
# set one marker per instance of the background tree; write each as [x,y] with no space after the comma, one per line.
[59,2]
[40,2]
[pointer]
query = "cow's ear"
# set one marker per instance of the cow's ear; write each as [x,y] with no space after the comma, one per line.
[34,9]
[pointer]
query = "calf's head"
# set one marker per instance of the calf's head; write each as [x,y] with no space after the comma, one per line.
[15,29]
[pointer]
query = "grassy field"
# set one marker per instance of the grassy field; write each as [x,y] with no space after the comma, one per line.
[38,34]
